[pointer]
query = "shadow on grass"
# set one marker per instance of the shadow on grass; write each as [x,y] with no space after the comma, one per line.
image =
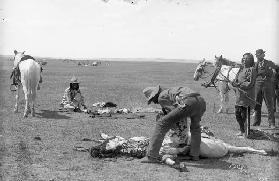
[211,164]
[52,115]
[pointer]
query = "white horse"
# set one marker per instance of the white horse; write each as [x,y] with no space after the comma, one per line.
[220,76]
[30,75]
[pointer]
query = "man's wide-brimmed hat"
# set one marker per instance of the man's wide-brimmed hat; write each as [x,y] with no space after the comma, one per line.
[74,80]
[259,51]
[151,92]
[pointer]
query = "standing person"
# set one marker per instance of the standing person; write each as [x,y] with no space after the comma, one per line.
[177,103]
[276,89]
[244,91]
[72,99]
[264,88]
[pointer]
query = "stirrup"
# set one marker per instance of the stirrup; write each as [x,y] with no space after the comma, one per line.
[13,87]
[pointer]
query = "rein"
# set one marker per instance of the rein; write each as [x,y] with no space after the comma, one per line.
[212,81]
[205,77]
[240,90]
[209,75]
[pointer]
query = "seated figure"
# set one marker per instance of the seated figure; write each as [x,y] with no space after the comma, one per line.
[72,99]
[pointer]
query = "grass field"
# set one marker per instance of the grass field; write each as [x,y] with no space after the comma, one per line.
[22,157]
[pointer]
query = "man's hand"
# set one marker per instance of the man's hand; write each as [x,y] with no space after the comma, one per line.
[235,84]
[159,116]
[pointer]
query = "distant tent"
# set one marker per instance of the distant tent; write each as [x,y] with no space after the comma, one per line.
[94,63]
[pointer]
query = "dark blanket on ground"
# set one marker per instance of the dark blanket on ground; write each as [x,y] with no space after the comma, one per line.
[264,135]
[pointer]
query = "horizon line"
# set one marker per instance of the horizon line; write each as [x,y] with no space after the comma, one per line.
[144,59]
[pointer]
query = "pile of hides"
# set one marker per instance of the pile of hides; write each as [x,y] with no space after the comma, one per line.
[113,146]
[109,110]
[104,104]
[145,110]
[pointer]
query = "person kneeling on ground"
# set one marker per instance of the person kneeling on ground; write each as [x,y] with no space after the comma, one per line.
[72,99]
[177,103]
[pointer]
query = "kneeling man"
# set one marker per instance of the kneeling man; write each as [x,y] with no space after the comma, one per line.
[72,99]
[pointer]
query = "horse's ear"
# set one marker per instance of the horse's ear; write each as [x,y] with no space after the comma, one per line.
[221,56]
[15,52]
[23,52]
[216,56]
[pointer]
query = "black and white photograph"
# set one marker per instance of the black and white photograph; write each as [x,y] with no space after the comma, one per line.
[146,90]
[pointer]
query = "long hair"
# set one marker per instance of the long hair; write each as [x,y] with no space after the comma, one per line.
[250,61]
[74,86]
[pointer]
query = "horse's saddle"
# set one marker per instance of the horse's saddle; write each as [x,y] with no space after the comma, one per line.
[26,57]
[16,72]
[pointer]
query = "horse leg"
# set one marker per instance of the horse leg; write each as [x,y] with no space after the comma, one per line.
[224,94]
[33,96]
[27,108]
[239,150]
[17,97]
[222,102]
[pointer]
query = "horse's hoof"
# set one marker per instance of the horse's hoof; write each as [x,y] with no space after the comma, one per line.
[219,111]
[25,116]
[15,110]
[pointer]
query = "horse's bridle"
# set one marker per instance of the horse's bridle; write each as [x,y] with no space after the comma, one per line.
[202,71]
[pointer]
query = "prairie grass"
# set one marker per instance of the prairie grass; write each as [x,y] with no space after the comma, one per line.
[52,156]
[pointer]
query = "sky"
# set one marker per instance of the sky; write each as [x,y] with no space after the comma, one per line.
[171,29]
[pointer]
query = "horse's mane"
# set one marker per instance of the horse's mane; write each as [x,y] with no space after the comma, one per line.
[225,61]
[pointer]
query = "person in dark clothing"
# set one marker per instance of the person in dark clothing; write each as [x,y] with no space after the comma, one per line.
[264,88]
[178,103]
[276,89]
[244,91]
